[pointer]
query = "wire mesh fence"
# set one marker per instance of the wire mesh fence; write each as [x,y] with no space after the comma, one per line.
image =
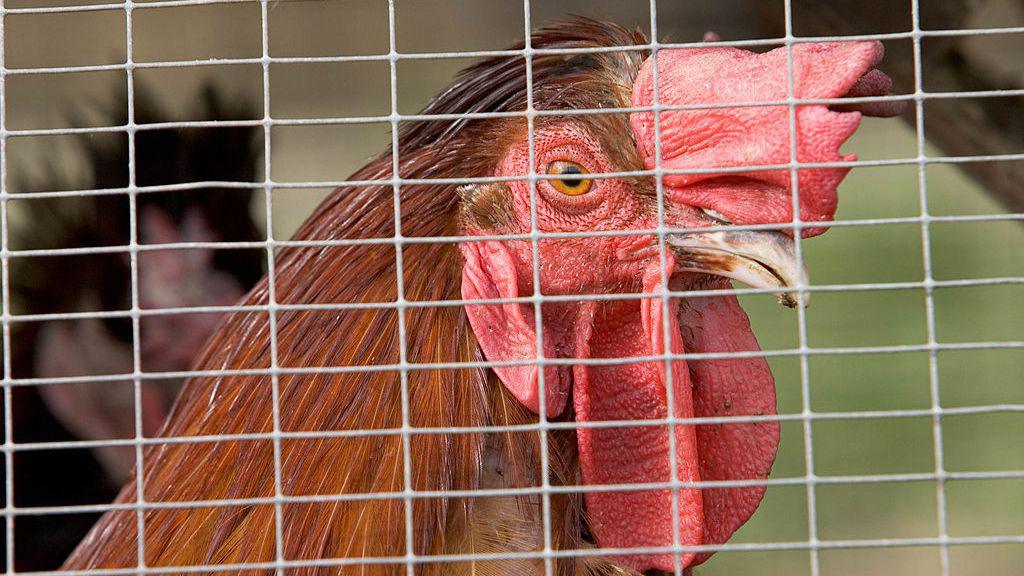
[915,451]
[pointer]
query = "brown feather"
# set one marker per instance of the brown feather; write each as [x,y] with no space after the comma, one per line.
[371,400]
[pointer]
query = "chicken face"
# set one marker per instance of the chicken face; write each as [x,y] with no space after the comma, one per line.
[566,152]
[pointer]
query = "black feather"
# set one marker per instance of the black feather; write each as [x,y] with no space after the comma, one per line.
[48,284]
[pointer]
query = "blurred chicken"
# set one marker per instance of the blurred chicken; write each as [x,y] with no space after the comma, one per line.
[77,283]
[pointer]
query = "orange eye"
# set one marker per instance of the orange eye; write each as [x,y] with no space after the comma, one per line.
[572,184]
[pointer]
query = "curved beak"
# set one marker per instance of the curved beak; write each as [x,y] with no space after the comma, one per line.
[760,259]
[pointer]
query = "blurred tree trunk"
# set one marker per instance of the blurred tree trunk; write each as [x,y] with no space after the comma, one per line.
[959,126]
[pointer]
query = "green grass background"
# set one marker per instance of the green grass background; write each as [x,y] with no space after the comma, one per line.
[898,381]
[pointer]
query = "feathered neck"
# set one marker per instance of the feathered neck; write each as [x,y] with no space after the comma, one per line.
[348,481]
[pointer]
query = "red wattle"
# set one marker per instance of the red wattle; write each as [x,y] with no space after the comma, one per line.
[627,391]
[723,388]
[637,454]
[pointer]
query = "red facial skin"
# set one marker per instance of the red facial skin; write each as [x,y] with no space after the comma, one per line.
[624,328]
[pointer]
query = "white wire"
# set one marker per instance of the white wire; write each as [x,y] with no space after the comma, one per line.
[27,253]
[5,296]
[765,42]
[805,380]
[701,420]
[133,253]
[275,380]
[853,479]
[495,179]
[403,363]
[887,349]
[341,120]
[582,553]
[863,287]
[537,298]
[671,416]
[929,296]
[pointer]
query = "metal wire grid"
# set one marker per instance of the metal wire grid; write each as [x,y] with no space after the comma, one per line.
[806,416]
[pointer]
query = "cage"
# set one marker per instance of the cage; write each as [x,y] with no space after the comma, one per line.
[160,157]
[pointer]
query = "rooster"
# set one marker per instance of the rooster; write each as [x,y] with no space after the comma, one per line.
[341,453]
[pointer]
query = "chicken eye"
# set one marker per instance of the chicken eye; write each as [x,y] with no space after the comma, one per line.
[572,184]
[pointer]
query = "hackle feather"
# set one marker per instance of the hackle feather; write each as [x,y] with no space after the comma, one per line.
[321,466]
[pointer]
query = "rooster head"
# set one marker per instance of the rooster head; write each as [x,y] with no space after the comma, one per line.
[721,166]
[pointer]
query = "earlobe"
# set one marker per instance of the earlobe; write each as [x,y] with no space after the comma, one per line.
[506,331]
[485,208]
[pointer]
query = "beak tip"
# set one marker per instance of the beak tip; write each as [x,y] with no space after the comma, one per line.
[794,299]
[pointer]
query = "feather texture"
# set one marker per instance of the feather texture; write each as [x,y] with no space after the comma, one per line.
[101,281]
[325,471]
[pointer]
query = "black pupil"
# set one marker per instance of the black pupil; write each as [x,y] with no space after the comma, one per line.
[571,182]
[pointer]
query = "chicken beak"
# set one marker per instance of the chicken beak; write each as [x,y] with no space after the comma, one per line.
[760,259]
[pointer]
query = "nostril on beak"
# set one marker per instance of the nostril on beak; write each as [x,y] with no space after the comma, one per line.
[716,217]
